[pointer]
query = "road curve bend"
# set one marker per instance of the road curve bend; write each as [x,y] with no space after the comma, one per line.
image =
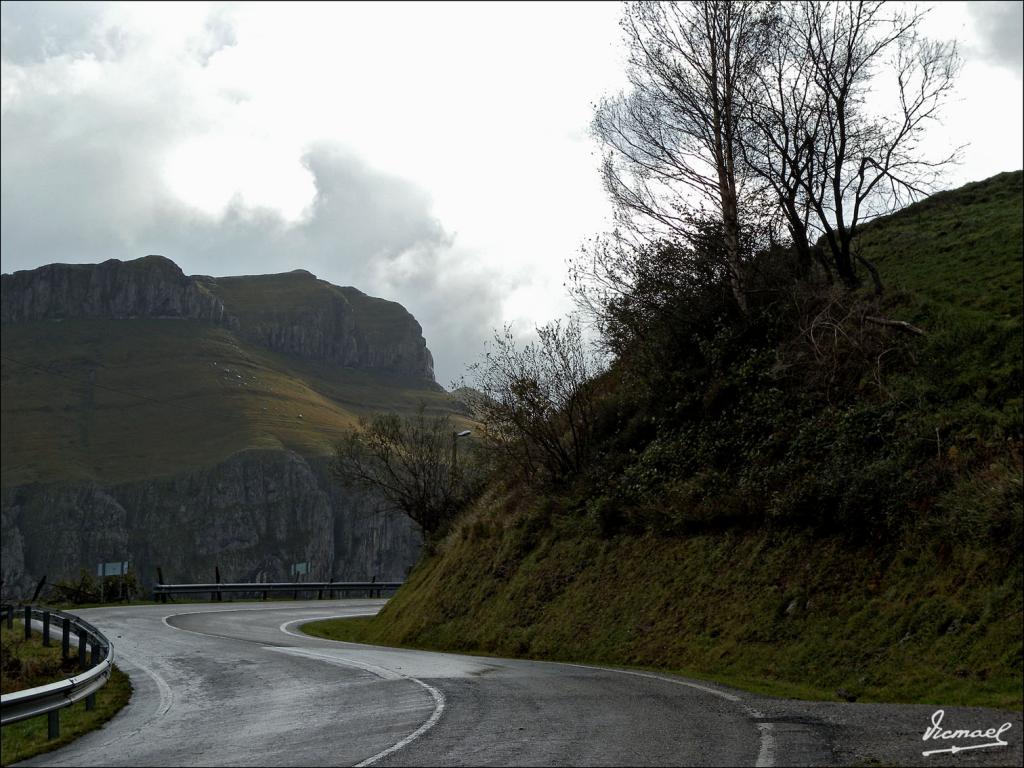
[237,684]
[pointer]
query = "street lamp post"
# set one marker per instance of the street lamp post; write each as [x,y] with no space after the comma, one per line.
[455,446]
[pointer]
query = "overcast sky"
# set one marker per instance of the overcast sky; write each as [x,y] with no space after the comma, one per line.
[435,154]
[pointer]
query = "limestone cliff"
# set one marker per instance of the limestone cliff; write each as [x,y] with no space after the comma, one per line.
[298,314]
[253,516]
[148,287]
[294,313]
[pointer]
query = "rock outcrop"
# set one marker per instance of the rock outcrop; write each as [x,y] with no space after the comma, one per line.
[252,516]
[298,314]
[294,313]
[148,287]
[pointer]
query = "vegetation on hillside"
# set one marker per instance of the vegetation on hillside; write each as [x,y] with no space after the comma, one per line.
[811,498]
[794,478]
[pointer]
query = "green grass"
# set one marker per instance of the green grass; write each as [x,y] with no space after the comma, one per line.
[960,248]
[954,263]
[27,664]
[903,582]
[118,400]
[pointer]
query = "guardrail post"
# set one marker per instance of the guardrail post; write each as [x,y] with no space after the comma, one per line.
[65,637]
[39,588]
[94,654]
[28,621]
[90,701]
[81,648]
[160,582]
[53,724]
[46,628]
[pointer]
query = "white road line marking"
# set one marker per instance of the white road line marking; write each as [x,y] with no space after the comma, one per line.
[166,694]
[166,701]
[439,704]
[284,627]
[232,610]
[664,679]
[766,752]
[765,755]
[766,731]
[383,672]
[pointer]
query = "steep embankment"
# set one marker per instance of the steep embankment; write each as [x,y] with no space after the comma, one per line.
[186,422]
[781,537]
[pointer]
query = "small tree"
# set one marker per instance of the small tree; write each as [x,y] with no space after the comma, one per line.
[536,401]
[411,462]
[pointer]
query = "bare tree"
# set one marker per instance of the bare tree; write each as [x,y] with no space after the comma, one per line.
[536,401]
[677,133]
[410,462]
[782,122]
[865,162]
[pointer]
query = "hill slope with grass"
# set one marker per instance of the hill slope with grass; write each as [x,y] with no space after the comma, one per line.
[172,420]
[812,504]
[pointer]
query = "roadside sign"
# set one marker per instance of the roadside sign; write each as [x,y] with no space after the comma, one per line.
[112,569]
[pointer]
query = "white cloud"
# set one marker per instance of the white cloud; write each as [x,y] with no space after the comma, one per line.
[435,154]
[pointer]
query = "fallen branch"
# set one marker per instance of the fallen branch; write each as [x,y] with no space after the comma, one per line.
[902,324]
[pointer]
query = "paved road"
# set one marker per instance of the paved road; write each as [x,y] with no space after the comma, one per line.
[236,684]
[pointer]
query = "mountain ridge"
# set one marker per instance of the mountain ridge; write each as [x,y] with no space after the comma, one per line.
[319,320]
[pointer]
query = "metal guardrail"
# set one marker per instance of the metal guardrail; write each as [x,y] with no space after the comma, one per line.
[217,589]
[51,698]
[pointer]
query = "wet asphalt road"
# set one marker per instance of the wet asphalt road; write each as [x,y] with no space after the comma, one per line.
[236,684]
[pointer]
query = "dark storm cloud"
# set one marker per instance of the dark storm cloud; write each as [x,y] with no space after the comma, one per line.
[1001,29]
[82,182]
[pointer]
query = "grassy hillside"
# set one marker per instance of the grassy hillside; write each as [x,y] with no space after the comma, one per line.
[960,249]
[114,400]
[807,524]
[785,614]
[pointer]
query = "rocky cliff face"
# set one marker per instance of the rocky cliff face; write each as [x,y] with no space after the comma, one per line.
[298,314]
[253,516]
[294,313]
[148,287]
